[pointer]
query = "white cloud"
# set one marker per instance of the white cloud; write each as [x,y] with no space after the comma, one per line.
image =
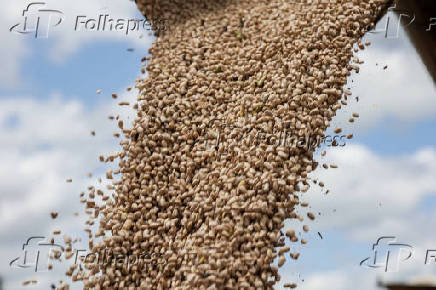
[337,280]
[373,196]
[368,188]
[63,39]
[68,40]
[345,277]
[404,91]
[13,49]
[49,141]
[43,143]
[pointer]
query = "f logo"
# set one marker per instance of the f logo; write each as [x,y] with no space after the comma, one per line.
[394,32]
[38,20]
[388,254]
[33,252]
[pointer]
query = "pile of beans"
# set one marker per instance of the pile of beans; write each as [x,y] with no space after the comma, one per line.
[202,216]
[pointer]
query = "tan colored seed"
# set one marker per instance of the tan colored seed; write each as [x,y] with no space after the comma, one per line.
[67,240]
[290,233]
[281,261]
[311,215]
[284,250]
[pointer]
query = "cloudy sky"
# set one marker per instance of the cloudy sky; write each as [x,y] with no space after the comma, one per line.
[385,184]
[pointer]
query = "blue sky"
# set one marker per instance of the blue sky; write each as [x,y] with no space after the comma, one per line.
[385,183]
[105,59]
